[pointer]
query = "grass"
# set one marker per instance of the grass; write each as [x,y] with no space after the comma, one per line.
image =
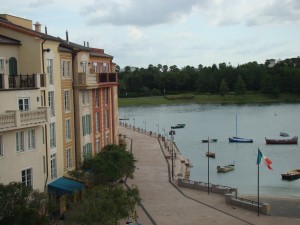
[249,98]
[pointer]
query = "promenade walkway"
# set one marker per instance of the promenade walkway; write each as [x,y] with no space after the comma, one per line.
[164,203]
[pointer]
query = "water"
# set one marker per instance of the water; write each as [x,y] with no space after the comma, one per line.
[219,121]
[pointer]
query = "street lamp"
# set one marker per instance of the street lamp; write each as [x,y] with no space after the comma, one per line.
[130,150]
[157,129]
[145,124]
[134,122]
[172,132]
[208,165]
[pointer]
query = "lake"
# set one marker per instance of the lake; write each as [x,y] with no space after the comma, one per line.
[219,122]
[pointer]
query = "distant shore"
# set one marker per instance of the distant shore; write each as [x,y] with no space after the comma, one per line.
[189,98]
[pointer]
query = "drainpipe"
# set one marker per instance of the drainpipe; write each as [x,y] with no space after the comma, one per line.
[46,141]
[43,63]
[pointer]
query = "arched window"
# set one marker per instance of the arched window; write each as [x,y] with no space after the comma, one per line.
[13,67]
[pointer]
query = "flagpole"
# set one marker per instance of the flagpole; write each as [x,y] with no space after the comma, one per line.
[258,186]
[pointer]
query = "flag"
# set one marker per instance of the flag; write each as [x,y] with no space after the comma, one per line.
[267,161]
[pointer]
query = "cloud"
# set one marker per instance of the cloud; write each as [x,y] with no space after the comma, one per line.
[39,3]
[135,33]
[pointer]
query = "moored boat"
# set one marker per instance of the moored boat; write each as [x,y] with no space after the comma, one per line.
[293,140]
[210,140]
[240,140]
[291,175]
[224,169]
[283,134]
[179,125]
[210,154]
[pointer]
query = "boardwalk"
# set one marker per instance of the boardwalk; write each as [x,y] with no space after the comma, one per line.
[163,203]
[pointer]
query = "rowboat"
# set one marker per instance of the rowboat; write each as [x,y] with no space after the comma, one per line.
[179,125]
[291,175]
[224,169]
[293,140]
[210,154]
[210,140]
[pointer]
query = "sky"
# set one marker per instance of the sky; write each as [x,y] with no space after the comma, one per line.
[172,32]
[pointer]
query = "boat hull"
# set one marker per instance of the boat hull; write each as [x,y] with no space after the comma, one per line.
[240,140]
[291,175]
[225,169]
[290,141]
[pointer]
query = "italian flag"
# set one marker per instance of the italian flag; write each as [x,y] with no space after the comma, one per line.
[266,160]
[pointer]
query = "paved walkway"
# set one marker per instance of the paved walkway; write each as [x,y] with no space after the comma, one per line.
[164,203]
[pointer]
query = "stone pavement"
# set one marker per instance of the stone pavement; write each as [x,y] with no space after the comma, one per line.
[164,203]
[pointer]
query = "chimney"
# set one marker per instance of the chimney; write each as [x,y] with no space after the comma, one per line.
[84,43]
[46,32]
[87,44]
[67,36]
[38,26]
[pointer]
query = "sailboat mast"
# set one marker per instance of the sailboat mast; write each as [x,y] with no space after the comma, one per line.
[236,125]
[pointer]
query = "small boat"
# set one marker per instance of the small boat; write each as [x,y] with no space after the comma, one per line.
[224,169]
[291,175]
[123,118]
[210,154]
[293,140]
[240,140]
[283,134]
[179,125]
[210,140]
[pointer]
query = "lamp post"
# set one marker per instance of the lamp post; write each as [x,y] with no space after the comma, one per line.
[134,122]
[130,149]
[145,124]
[157,129]
[172,132]
[208,165]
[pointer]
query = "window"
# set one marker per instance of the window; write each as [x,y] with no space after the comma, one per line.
[69,158]
[85,97]
[31,139]
[20,141]
[52,135]
[27,177]
[51,102]
[2,63]
[23,104]
[107,139]
[95,65]
[87,151]
[53,166]
[67,100]
[1,146]
[84,66]
[65,68]
[86,125]
[104,67]
[106,96]
[97,122]
[50,70]
[68,129]
[98,145]
[96,98]
[106,119]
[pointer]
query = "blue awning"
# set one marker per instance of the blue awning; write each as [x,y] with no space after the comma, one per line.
[63,186]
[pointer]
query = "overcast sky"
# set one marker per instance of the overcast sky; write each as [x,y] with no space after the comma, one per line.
[172,32]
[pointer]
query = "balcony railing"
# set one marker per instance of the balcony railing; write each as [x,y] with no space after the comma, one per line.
[20,119]
[85,79]
[27,81]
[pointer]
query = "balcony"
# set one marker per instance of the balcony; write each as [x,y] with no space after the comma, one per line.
[29,81]
[16,119]
[84,79]
[108,79]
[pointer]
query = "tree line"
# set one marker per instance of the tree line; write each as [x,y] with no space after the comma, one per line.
[269,78]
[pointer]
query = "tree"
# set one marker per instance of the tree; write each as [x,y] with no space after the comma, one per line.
[21,204]
[103,206]
[223,88]
[240,86]
[110,165]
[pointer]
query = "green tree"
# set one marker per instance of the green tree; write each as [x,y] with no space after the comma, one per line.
[223,88]
[21,205]
[240,86]
[103,206]
[110,165]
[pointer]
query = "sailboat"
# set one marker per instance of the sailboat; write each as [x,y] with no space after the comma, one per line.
[237,139]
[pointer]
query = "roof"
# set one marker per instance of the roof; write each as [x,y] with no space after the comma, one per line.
[9,41]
